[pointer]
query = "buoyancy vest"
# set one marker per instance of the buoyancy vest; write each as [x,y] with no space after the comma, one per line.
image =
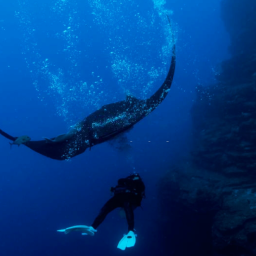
[131,184]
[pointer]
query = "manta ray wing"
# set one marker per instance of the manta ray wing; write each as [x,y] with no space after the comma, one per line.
[103,124]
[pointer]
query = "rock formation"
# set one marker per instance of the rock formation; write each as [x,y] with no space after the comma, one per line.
[210,203]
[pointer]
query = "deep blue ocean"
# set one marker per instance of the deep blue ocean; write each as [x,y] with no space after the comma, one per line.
[60,61]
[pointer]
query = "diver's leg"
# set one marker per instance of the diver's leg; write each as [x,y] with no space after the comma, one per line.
[110,205]
[128,208]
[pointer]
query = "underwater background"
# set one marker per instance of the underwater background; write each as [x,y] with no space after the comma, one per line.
[63,59]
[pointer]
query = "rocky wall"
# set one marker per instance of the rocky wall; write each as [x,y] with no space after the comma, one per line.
[209,204]
[240,22]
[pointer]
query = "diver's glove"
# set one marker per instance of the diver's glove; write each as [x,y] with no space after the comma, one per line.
[85,230]
[128,240]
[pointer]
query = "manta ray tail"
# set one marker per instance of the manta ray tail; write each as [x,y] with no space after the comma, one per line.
[6,135]
[41,147]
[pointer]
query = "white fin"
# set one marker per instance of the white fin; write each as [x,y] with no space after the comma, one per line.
[61,230]
[131,239]
[123,243]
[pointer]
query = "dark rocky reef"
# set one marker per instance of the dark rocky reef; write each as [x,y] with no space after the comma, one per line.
[224,129]
[205,213]
[208,206]
[239,20]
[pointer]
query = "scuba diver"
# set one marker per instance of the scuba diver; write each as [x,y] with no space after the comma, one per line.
[128,195]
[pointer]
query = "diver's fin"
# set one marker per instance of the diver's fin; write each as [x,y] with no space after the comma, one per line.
[131,239]
[122,243]
[62,230]
[128,240]
[86,230]
[89,231]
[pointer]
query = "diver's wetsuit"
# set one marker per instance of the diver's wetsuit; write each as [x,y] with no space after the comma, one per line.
[128,195]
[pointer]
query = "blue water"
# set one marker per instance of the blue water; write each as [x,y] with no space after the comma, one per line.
[60,61]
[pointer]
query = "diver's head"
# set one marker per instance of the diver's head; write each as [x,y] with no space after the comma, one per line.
[135,176]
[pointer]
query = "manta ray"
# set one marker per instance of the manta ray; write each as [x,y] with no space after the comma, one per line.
[102,125]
